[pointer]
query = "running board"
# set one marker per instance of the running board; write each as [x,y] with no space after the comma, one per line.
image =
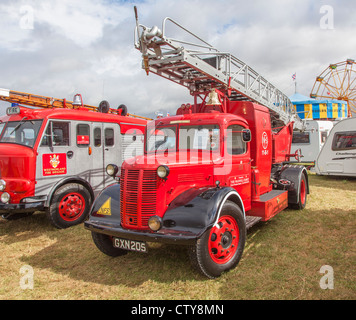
[251,221]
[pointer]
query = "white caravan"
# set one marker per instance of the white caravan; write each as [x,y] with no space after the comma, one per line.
[312,139]
[338,155]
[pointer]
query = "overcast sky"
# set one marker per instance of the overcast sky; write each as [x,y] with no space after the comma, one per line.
[59,48]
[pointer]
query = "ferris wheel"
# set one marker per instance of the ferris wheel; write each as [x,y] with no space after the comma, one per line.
[337,81]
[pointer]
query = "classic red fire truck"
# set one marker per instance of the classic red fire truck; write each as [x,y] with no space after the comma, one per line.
[211,171]
[53,159]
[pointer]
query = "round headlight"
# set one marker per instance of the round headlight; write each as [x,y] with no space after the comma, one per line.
[2,185]
[112,169]
[5,197]
[155,223]
[163,171]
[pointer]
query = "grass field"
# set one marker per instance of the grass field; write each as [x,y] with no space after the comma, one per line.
[282,258]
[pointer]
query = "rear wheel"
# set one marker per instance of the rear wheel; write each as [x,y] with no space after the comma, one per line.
[302,196]
[221,247]
[105,244]
[69,206]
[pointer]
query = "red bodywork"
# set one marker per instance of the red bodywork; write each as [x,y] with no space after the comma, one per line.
[143,194]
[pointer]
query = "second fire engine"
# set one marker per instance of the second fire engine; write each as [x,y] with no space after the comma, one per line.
[211,171]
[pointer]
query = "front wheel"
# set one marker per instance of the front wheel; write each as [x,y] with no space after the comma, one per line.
[220,248]
[69,206]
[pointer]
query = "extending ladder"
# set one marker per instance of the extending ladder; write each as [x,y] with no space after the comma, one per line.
[200,67]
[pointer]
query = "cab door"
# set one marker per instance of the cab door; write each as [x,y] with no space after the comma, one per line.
[105,149]
[238,153]
[54,156]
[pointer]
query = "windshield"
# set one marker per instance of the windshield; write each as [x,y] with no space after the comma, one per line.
[22,132]
[162,139]
[202,137]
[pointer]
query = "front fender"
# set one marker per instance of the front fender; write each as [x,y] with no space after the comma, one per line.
[196,210]
[106,205]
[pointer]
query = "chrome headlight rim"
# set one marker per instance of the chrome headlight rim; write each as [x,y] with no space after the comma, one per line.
[5,197]
[163,172]
[155,223]
[2,185]
[112,169]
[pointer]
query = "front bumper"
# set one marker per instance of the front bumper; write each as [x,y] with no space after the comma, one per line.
[165,235]
[8,209]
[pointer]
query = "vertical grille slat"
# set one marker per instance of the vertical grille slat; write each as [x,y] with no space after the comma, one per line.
[138,197]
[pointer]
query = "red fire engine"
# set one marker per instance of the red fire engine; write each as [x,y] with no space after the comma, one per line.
[53,159]
[211,171]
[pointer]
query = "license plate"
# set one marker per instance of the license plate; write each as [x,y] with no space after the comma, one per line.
[131,245]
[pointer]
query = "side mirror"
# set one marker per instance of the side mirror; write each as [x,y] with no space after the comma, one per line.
[246,135]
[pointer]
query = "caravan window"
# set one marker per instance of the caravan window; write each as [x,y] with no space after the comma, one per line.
[301,137]
[344,140]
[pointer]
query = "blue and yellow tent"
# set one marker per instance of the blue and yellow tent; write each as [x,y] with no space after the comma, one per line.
[308,108]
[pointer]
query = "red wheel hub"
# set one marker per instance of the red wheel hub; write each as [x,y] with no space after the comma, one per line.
[72,206]
[224,239]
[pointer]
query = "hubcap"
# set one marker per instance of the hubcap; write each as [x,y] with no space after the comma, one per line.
[72,206]
[223,240]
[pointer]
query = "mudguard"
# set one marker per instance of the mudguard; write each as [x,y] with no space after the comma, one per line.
[186,219]
[196,210]
[292,174]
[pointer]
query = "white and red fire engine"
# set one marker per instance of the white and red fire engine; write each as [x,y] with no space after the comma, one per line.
[53,158]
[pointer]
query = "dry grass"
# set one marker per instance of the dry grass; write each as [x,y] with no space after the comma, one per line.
[281,261]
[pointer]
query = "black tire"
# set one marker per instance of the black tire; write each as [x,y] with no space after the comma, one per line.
[204,256]
[302,194]
[105,245]
[70,206]
[123,108]
[104,106]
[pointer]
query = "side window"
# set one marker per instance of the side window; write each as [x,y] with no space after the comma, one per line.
[83,135]
[97,137]
[109,137]
[235,144]
[60,134]
[344,140]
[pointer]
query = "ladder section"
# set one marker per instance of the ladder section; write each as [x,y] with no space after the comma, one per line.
[199,67]
[39,101]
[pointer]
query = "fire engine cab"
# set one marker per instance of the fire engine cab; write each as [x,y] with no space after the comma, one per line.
[54,159]
[208,173]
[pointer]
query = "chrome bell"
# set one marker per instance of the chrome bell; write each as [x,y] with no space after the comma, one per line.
[77,100]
